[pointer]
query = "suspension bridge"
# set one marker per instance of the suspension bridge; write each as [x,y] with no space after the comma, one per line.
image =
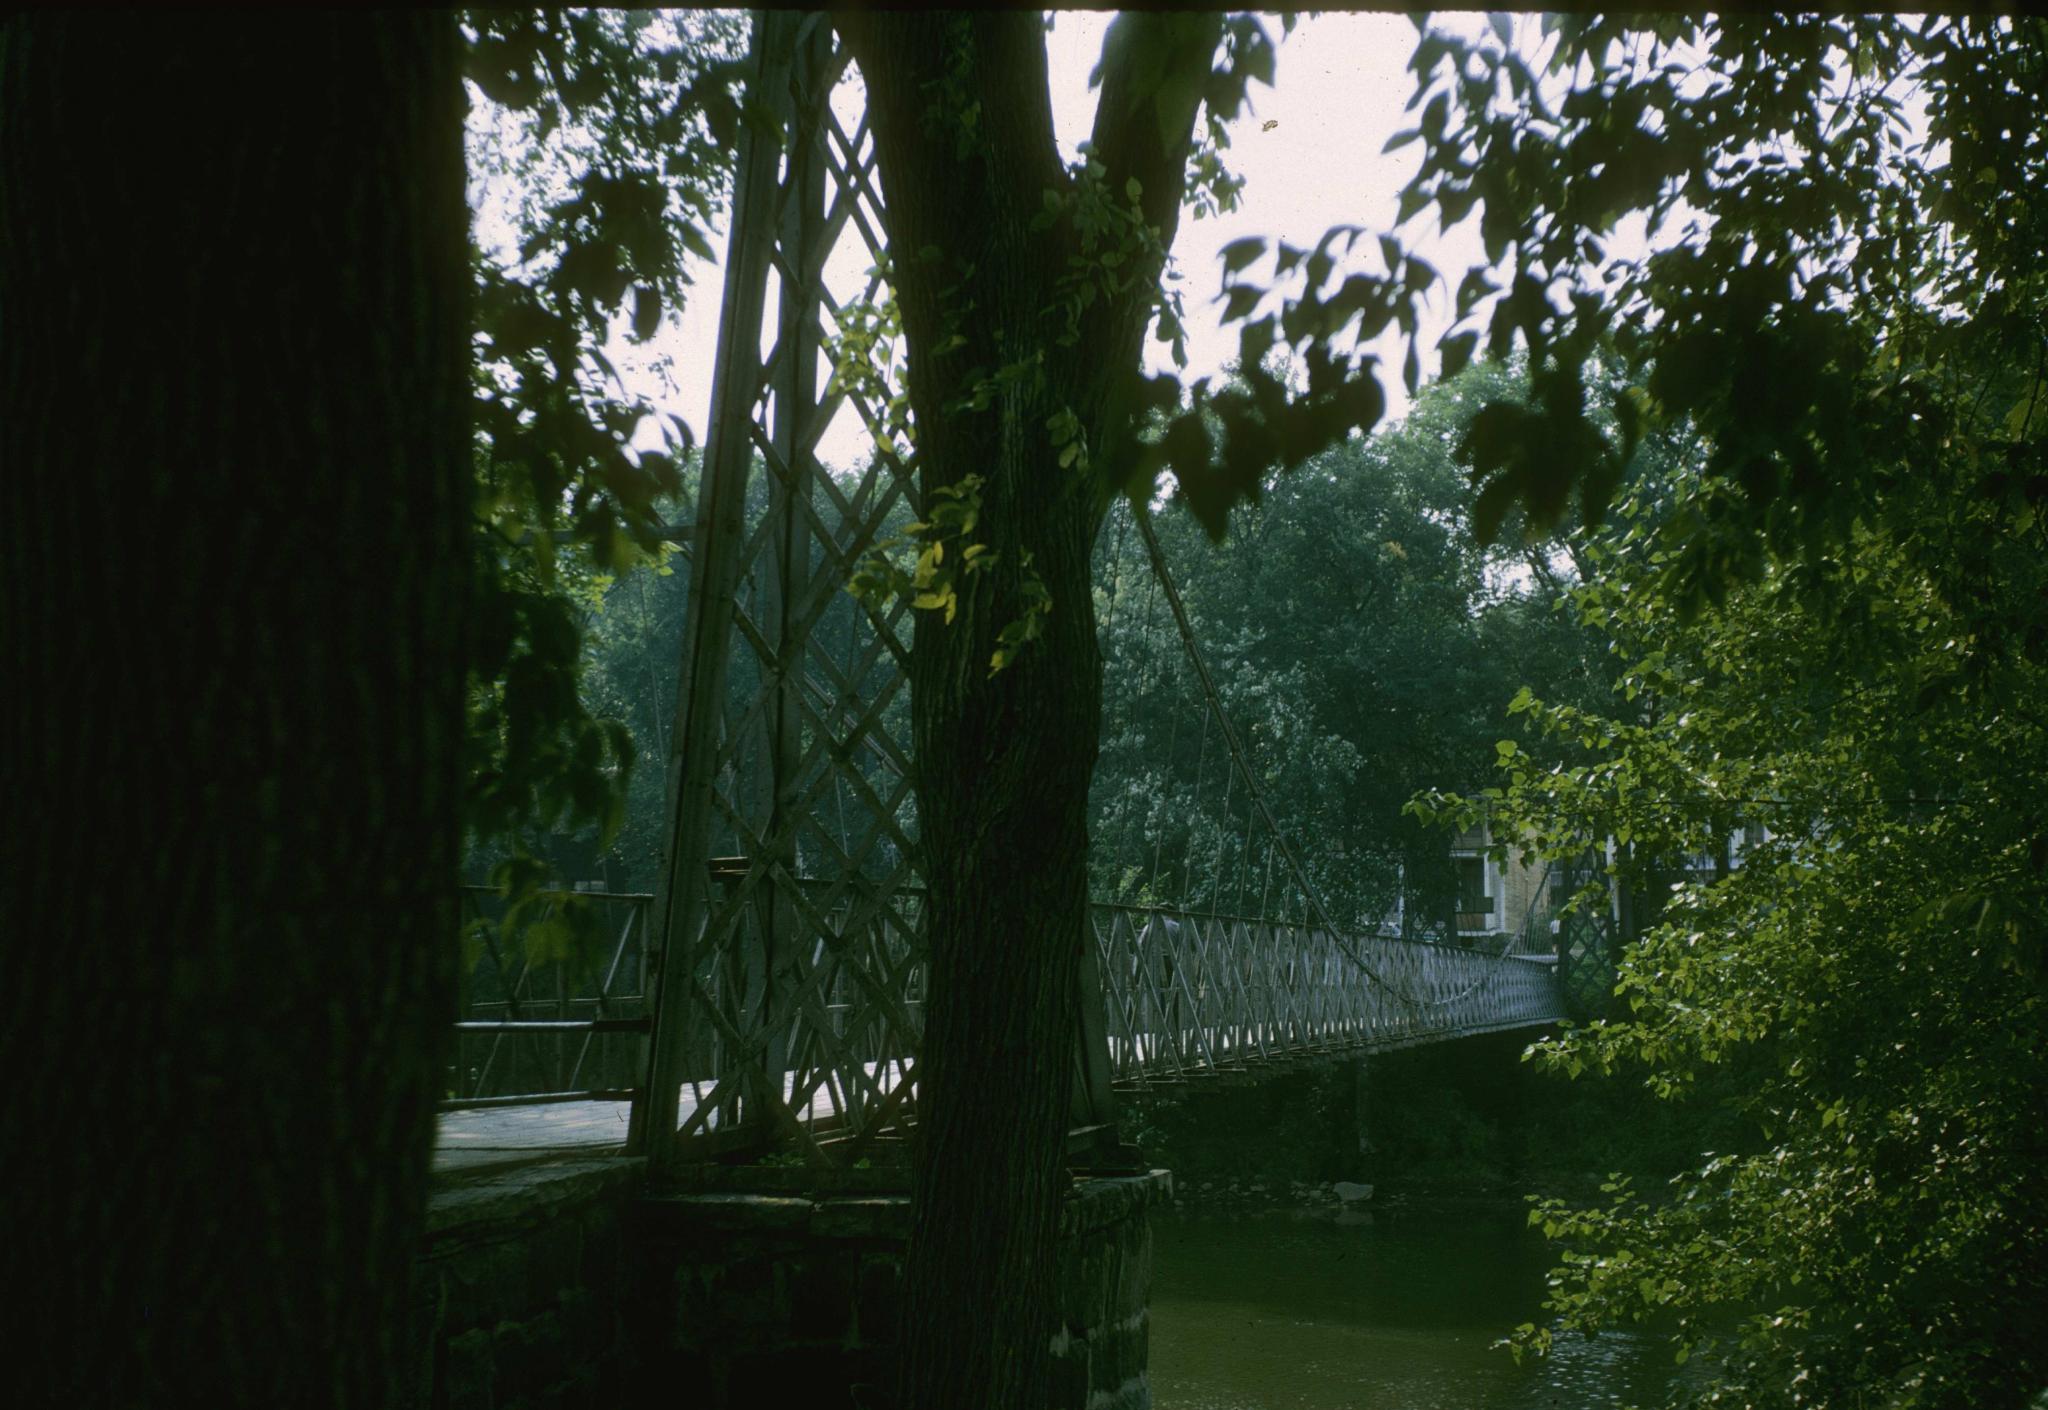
[768,995]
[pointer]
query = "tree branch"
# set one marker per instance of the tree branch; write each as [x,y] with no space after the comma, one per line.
[1155,67]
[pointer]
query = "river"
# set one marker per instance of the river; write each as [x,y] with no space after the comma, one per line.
[1396,1309]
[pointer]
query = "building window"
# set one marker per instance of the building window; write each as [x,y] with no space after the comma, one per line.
[1475,894]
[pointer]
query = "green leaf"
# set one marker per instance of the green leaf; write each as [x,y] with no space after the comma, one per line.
[694,241]
[646,312]
[1240,253]
[1457,351]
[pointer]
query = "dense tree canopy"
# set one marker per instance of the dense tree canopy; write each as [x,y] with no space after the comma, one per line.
[1873,966]
[1365,647]
[1832,625]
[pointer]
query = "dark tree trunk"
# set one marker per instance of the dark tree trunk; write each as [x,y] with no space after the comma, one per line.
[963,124]
[233,391]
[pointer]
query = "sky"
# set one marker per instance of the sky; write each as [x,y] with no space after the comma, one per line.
[1309,150]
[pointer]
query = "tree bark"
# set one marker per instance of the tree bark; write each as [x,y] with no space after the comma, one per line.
[233,421]
[962,119]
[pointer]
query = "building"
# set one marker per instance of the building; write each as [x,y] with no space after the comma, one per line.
[1499,894]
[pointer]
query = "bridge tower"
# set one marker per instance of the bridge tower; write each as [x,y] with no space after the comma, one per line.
[788,917]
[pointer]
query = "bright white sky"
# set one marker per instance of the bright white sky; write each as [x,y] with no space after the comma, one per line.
[1340,89]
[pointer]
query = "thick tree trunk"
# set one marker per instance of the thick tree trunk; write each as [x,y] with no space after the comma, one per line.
[233,392]
[1004,767]
[964,136]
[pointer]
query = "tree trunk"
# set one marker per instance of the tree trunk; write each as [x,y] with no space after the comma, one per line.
[963,126]
[233,274]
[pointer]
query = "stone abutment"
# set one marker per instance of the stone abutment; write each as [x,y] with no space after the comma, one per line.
[566,1283]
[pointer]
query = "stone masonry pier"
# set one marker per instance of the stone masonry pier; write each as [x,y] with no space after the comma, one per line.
[565,1283]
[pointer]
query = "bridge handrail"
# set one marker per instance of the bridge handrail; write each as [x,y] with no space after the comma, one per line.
[1351,932]
[496,1019]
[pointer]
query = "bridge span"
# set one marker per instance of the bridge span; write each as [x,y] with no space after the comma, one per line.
[1179,996]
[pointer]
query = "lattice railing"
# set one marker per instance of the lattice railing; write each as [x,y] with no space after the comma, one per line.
[1183,994]
[1188,993]
[564,1020]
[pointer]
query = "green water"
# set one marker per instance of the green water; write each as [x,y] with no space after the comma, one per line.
[1393,1310]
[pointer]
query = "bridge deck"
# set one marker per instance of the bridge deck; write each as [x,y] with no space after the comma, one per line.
[503,1135]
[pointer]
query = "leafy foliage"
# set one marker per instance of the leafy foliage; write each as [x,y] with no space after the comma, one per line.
[1222,444]
[628,673]
[1365,647]
[1874,968]
[603,140]
[1848,260]
[1832,623]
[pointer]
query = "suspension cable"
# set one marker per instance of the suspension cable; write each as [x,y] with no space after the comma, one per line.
[1312,900]
[1123,687]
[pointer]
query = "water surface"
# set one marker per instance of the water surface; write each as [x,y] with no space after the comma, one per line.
[1393,1310]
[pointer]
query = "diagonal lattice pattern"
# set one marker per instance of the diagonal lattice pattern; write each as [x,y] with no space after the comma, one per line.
[791,907]
[794,994]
